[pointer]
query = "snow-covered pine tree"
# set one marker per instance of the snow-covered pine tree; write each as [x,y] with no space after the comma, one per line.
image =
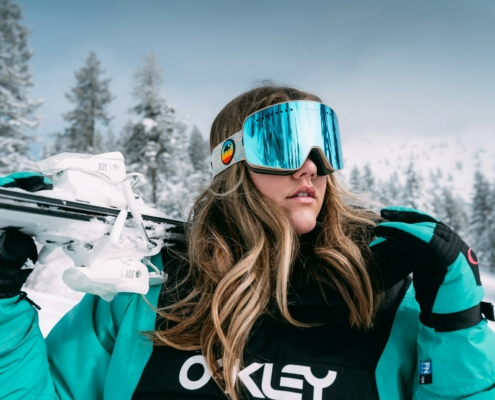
[91,97]
[368,180]
[436,191]
[453,213]
[447,207]
[181,176]
[200,160]
[482,222]
[355,180]
[146,142]
[156,145]
[16,107]
[390,192]
[413,194]
[199,151]
[490,223]
[481,206]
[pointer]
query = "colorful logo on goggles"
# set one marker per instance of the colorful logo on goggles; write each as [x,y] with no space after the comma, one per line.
[228,150]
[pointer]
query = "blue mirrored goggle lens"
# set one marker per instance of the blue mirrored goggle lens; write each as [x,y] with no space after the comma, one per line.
[282,136]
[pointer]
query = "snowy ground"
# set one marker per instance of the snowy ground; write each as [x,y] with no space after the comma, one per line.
[52,307]
[56,299]
[488,281]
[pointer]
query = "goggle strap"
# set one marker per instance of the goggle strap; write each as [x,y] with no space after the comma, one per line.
[227,153]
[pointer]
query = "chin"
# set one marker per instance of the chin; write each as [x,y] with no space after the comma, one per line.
[304,227]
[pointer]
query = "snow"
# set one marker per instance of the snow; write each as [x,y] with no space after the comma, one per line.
[46,288]
[148,124]
[85,232]
[488,281]
[47,278]
[53,308]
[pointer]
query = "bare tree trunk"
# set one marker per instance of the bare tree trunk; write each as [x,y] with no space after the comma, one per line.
[153,186]
[92,130]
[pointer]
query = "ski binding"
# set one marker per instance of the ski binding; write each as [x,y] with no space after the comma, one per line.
[101,224]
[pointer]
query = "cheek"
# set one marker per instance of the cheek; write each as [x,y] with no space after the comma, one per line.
[270,186]
[321,186]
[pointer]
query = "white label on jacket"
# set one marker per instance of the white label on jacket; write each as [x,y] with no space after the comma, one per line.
[266,390]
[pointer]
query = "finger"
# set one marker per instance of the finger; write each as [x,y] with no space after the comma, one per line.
[403,231]
[12,277]
[30,181]
[389,246]
[16,246]
[406,214]
[416,237]
[5,181]
[34,183]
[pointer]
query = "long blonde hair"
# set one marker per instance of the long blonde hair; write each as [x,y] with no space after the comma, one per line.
[241,249]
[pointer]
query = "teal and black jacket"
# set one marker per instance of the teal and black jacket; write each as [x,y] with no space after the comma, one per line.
[97,351]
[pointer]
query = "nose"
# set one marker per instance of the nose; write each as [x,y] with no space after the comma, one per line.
[308,169]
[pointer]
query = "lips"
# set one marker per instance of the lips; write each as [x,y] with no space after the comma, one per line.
[310,190]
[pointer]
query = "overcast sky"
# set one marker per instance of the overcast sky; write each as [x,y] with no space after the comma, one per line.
[392,67]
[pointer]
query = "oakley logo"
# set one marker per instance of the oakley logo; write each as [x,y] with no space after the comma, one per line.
[188,383]
[266,391]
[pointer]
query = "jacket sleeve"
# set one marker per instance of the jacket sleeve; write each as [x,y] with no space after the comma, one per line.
[23,362]
[456,364]
[75,361]
[393,374]
[461,363]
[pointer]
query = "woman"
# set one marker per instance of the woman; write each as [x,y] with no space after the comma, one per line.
[280,295]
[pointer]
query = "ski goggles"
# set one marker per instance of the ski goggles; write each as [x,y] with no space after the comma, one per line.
[278,139]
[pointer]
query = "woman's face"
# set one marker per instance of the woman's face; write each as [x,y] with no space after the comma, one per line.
[284,190]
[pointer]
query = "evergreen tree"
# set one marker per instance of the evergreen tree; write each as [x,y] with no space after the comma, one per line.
[489,251]
[199,151]
[186,171]
[391,191]
[156,144]
[368,180]
[481,206]
[436,191]
[413,194]
[16,108]
[453,213]
[147,142]
[110,142]
[91,97]
[355,180]
[482,219]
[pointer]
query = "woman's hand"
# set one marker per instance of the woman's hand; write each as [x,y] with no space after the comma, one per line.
[30,181]
[18,254]
[446,279]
